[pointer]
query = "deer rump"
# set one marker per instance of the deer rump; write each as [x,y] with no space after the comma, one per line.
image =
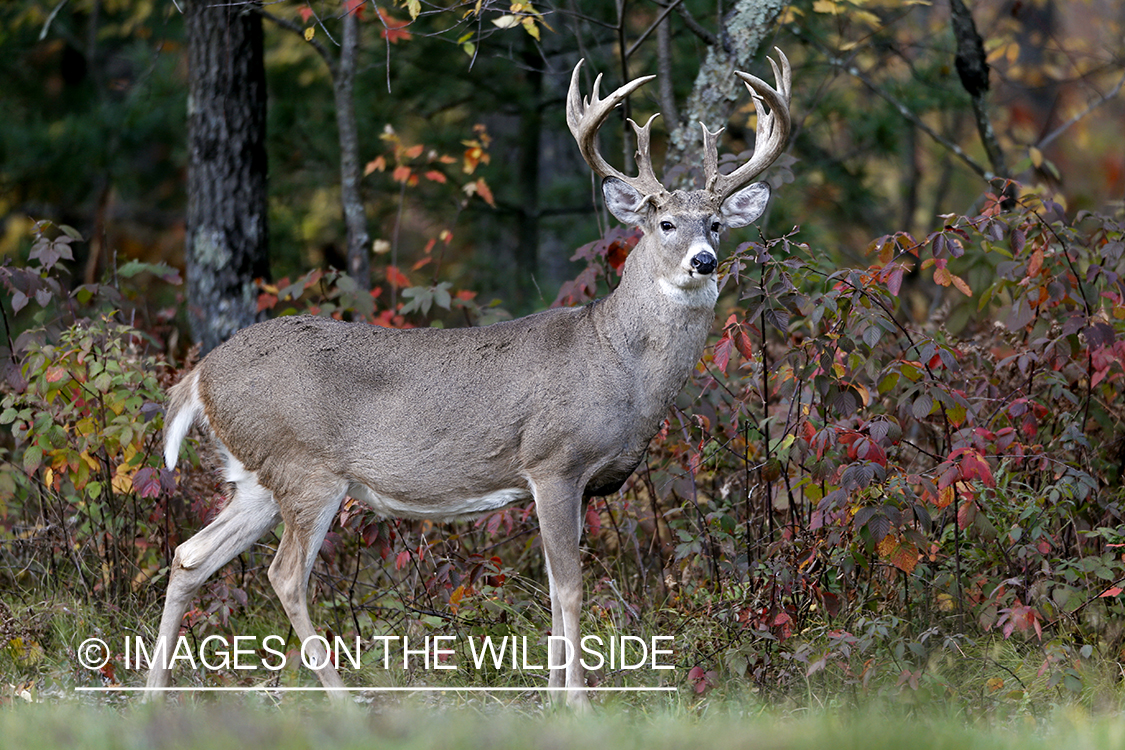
[419,423]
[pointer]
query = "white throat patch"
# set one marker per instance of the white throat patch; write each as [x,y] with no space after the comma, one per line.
[703,293]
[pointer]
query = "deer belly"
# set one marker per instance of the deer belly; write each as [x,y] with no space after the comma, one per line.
[437,508]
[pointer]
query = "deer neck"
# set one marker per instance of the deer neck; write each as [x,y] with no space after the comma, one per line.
[658,331]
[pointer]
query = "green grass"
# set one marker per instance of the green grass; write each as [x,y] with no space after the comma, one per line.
[498,725]
[985,692]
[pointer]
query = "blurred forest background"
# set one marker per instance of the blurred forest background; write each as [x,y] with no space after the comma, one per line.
[885,137]
[903,448]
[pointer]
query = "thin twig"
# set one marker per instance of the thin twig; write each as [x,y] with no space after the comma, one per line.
[1050,137]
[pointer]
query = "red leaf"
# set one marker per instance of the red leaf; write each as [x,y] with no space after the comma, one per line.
[894,280]
[1110,592]
[147,482]
[593,520]
[721,356]
[396,277]
[393,28]
[745,346]
[485,192]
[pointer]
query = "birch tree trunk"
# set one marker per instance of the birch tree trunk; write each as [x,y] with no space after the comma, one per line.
[717,91]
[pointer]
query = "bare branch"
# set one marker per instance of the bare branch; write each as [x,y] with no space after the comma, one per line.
[1050,137]
[652,27]
[296,28]
[694,27]
[914,119]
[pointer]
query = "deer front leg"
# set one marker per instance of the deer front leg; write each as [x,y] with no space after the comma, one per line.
[559,506]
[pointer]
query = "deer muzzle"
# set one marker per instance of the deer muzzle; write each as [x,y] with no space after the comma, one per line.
[704,263]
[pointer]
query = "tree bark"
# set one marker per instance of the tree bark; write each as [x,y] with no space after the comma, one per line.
[355,215]
[717,91]
[530,149]
[973,70]
[227,242]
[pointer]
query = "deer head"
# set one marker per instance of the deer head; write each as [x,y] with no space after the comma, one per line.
[725,201]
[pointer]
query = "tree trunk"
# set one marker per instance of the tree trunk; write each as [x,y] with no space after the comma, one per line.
[227,219]
[717,91]
[355,215]
[530,149]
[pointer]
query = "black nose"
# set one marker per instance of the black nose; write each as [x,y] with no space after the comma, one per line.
[704,263]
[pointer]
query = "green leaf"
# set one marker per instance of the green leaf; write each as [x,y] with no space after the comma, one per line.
[32,458]
[160,270]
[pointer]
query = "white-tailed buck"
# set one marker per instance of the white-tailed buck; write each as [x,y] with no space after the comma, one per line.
[432,423]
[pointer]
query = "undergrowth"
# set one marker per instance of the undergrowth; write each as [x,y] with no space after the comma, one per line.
[850,503]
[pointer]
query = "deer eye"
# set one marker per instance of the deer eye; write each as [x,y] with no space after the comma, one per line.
[715,226]
[667,226]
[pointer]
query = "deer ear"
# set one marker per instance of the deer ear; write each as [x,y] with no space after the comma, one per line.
[623,201]
[745,206]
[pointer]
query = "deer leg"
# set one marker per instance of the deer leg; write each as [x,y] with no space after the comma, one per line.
[559,510]
[251,512]
[555,649]
[305,528]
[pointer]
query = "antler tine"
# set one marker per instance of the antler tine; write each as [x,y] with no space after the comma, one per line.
[773,128]
[646,180]
[585,117]
[710,156]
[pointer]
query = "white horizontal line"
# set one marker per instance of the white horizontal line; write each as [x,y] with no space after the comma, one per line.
[301,689]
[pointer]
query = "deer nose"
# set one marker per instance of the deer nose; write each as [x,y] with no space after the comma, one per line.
[704,263]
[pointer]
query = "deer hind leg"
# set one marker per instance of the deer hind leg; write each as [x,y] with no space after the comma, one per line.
[559,507]
[251,512]
[307,518]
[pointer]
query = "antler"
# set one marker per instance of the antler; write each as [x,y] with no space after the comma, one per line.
[771,137]
[586,116]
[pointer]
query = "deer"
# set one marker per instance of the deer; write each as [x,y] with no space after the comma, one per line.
[431,423]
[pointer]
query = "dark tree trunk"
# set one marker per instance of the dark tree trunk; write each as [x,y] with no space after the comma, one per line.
[531,131]
[227,225]
[355,215]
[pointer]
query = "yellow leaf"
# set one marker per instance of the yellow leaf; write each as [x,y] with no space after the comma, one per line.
[413,7]
[961,284]
[310,32]
[1036,157]
[994,684]
[887,546]
[868,18]
[506,22]
[530,27]
[826,6]
[123,480]
[26,653]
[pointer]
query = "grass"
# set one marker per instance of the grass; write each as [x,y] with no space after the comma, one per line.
[986,692]
[499,725]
